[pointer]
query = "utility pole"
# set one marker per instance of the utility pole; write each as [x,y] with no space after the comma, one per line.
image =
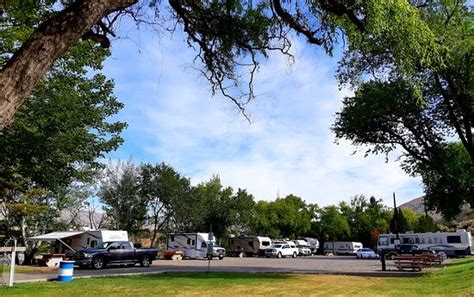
[395,214]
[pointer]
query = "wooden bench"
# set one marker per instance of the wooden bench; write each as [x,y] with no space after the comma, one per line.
[430,259]
[417,261]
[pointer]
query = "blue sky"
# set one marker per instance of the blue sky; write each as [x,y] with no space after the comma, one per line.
[287,149]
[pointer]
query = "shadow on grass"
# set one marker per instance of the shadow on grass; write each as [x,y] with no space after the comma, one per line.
[220,276]
[461,262]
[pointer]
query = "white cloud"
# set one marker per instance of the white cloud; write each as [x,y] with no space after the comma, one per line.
[287,149]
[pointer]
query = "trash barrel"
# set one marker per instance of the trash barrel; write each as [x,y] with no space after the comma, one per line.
[65,271]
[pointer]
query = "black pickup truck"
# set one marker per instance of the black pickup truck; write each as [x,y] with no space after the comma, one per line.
[116,252]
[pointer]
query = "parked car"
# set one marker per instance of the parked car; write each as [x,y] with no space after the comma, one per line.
[445,251]
[115,252]
[407,250]
[282,250]
[366,253]
[304,250]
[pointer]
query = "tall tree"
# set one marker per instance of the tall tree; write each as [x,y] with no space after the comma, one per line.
[164,191]
[333,225]
[119,192]
[53,144]
[418,100]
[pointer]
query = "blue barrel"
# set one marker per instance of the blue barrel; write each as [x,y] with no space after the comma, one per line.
[65,271]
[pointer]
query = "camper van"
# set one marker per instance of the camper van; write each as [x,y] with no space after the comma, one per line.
[249,246]
[457,243]
[194,245]
[342,247]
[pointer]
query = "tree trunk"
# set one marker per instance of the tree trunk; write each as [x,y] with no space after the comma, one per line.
[37,55]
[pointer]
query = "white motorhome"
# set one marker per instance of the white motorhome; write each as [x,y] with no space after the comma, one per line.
[249,246]
[79,240]
[194,245]
[459,242]
[313,244]
[342,247]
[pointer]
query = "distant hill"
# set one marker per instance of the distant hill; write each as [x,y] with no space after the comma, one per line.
[465,220]
[416,204]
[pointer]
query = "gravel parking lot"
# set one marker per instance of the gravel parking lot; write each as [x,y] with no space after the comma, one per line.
[314,264]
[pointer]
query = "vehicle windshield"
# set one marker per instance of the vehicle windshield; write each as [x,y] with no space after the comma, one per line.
[277,246]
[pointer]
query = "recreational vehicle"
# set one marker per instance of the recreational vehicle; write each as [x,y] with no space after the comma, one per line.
[313,244]
[194,245]
[67,243]
[342,247]
[458,243]
[79,240]
[249,246]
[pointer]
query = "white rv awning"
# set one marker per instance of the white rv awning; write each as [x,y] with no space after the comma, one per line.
[55,236]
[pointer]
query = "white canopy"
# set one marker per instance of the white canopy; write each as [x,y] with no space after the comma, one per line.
[55,236]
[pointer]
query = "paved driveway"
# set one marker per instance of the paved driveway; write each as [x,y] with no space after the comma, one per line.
[314,264]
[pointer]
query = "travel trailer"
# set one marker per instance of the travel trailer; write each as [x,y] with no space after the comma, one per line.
[342,247]
[194,245]
[459,243]
[79,240]
[249,246]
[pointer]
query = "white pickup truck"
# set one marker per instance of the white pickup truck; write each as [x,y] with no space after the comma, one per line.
[280,250]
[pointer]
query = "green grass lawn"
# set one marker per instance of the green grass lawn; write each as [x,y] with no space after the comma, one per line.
[26,269]
[457,279]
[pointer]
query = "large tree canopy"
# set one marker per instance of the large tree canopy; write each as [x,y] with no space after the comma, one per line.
[230,37]
[419,106]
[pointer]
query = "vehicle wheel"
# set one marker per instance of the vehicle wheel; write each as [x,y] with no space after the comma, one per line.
[295,255]
[279,255]
[442,255]
[98,263]
[221,257]
[209,257]
[145,261]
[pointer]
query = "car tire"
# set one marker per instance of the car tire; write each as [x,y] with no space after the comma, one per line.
[98,263]
[145,261]
[279,256]
[442,255]
[221,257]
[295,255]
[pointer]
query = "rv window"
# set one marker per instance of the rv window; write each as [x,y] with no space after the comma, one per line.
[88,240]
[204,245]
[454,239]
[193,242]
[250,244]
[392,240]
[172,237]
[265,243]
[188,241]
[383,240]
[93,243]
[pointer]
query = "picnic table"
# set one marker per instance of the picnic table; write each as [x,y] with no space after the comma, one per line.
[417,262]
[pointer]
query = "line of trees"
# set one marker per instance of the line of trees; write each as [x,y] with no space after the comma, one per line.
[159,199]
